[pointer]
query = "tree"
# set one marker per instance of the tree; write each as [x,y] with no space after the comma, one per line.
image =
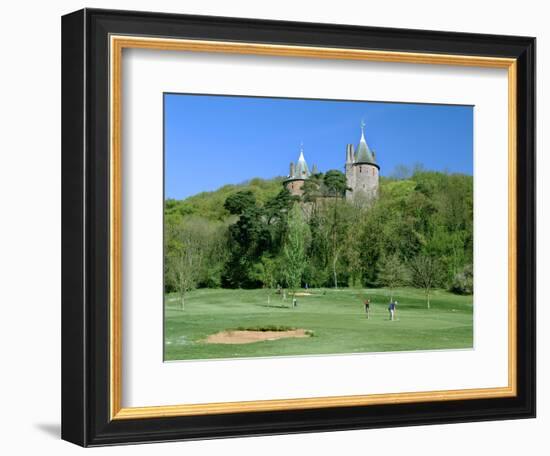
[425,272]
[294,250]
[185,253]
[352,249]
[216,253]
[276,217]
[417,212]
[249,237]
[268,274]
[463,281]
[275,208]
[335,183]
[313,188]
[318,253]
[239,202]
[392,272]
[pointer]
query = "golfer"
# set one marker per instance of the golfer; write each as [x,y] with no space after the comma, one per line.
[391,309]
[367,308]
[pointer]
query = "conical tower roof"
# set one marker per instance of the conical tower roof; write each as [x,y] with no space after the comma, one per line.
[364,154]
[301,171]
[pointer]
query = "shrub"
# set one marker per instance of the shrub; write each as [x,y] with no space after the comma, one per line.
[463,281]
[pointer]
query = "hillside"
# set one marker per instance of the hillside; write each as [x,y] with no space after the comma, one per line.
[210,204]
[426,217]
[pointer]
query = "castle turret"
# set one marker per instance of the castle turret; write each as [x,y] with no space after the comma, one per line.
[362,172]
[298,174]
[350,174]
[349,154]
[363,177]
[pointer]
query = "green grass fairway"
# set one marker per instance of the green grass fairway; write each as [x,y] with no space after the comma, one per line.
[336,318]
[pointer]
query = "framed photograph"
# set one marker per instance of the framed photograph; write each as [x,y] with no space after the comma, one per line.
[278,227]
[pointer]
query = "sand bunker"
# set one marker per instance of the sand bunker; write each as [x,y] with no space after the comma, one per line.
[248,337]
[303,293]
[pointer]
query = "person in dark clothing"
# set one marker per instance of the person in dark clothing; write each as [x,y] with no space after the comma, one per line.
[367,308]
[391,310]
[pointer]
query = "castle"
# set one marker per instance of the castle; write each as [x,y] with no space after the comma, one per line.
[362,172]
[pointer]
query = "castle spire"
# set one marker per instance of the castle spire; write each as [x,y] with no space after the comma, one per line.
[364,153]
[302,170]
[301,158]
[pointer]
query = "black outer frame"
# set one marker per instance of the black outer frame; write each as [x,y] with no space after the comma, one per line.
[85,227]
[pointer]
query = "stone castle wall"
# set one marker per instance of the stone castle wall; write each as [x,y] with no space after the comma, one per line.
[363,179]
[350,178]
[295,187]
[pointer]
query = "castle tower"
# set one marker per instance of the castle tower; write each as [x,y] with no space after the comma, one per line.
[363,174]
[298,174]
[350,172]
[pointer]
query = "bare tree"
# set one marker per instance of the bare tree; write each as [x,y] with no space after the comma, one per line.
[185,255]
[392,272]
[268,273]
[425,270]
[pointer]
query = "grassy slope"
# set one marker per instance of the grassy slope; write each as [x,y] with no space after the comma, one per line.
[337,319]
[210,204]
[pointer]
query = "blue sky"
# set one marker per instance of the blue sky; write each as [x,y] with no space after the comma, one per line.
[211,141]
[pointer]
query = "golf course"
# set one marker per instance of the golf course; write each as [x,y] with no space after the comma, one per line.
[324,321]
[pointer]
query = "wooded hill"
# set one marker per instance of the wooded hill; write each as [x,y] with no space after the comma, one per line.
[419,232]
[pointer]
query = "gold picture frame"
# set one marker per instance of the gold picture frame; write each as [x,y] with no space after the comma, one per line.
[117,45]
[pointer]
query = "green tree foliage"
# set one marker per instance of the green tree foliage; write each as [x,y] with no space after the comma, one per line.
[392,272]
[463,281]
[334,187]
[317,273]
[276,212]
[249,238]
[294,249]
[314,188]
[240,202]
[210,205]
[335,183]
[193,251]
[425,273]
[259,230]
[418,214]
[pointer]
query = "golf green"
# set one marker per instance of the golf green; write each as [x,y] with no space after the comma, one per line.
[335,320]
